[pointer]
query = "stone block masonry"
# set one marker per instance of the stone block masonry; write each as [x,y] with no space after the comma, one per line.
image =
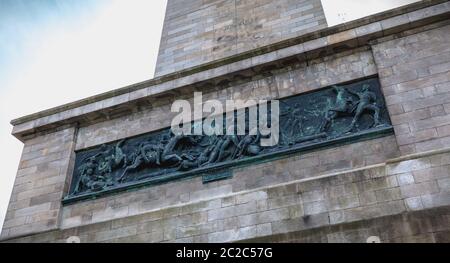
[305,166]
[415,75]
[347,206]
[197,32]
[395,187]
[42,178]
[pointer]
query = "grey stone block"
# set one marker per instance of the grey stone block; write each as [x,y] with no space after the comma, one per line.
[264,217]
[435,200]
[315,207]
[414,203]
[343,202]
[408,166]
[264,229]
[414,190]
[232,234]
[405,179]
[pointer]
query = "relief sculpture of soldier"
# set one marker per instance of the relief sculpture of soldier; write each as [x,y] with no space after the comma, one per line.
[147,155]
[160,154]
[248,145]
[171,141]
[88,180]
[346,105]
[305,121]
[95,172]
[204,157]
[343,106]
[367,102]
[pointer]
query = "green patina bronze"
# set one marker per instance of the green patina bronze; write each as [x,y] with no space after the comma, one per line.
[330,116]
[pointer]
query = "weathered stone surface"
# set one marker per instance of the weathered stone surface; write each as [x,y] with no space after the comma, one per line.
[197,32]
[42,175]
[345,197]
[327,195]
[417,85]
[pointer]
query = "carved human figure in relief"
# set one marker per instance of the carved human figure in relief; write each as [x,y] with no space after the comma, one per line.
[215,149]
[342,106]
[248,145]
[89,179]
[230,140]
[367,102]
[108,162]
[202,158]
[147,155]
[96,171]
[169,155]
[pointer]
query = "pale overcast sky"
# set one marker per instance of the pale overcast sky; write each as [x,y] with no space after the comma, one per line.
[56,51]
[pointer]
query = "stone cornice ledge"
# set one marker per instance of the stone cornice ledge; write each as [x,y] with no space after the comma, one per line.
[418,155]
[323,42]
